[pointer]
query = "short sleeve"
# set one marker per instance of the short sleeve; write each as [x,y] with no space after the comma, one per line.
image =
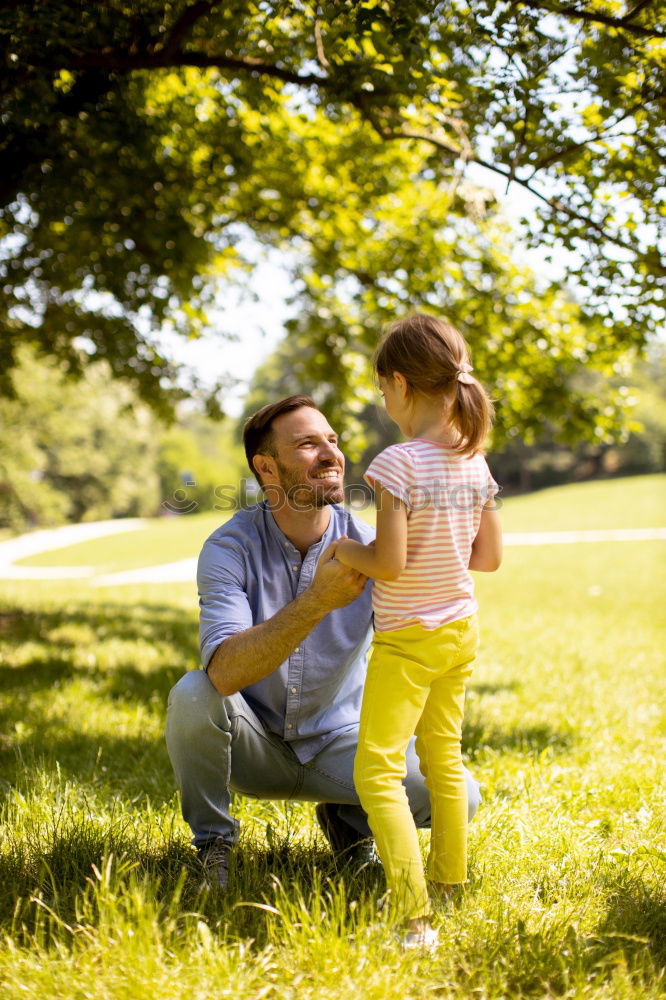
[223,602]
[492,488]
[393,470]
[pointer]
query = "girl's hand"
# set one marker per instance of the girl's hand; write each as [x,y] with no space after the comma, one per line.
[333,547]
[341,545]
[334,584]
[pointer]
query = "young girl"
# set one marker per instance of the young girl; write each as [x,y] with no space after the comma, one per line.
[435,521]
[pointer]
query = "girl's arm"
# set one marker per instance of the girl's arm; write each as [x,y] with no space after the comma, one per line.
[385,559]
[487,546]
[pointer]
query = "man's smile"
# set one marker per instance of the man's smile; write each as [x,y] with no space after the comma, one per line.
[330,474]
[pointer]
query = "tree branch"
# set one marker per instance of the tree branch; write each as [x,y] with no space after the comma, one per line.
[184,25]
[564,151]
[596,17]
[385,131]
[321,55]
[658,152]
[555,204]
[169,57]
[635,11]
[162,59]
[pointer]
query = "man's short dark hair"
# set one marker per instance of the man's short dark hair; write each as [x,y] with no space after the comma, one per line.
[258,429]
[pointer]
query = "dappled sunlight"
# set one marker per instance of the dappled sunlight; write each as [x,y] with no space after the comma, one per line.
[563,729]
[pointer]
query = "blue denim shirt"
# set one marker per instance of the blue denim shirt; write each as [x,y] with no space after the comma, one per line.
[248,571]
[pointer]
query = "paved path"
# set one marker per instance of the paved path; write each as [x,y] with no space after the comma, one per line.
[34,542]
[184,571]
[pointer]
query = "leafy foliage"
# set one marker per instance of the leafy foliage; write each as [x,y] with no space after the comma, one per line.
[81,449]
[201,465]
[141,142]
[74,450]
[532,344]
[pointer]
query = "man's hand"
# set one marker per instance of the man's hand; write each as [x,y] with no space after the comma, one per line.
[335,585]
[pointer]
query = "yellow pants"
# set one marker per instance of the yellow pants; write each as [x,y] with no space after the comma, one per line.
[416,684]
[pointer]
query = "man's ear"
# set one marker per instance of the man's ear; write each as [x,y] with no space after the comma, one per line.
[264,466]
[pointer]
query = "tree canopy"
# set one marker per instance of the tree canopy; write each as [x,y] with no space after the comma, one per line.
[141,142]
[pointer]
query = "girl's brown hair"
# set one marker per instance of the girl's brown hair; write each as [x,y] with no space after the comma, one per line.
[430,353]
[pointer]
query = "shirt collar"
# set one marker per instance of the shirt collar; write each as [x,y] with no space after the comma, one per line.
[284,542]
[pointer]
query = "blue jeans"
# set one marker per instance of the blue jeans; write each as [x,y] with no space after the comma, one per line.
[218,745]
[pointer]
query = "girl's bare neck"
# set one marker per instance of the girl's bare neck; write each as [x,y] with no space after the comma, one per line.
[428,422]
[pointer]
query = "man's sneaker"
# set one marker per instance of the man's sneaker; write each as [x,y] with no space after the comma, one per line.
[214,859]
[348,845]
[426,939]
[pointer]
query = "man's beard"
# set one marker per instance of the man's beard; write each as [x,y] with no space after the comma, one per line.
[302,496]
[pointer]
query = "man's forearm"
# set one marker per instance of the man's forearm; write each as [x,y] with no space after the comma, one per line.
[249,656]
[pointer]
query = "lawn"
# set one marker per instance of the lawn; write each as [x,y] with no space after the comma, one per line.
[623,503]
[565,729]
[163,540]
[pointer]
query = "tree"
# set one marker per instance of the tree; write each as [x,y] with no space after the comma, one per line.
[74,450]
[141,141]
[533,346]
[80,449]
[201,466]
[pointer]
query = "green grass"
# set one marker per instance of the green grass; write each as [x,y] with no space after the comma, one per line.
[163,540]
[635,502]
[620,503]
[564,728]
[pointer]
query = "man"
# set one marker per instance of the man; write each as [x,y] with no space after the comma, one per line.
[284,632]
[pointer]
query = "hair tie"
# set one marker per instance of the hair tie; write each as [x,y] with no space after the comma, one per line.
[463,374]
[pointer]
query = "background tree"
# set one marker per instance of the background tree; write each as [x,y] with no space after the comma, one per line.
[74,450]
[140,142]
[81,449]
[201,465]
[531,341]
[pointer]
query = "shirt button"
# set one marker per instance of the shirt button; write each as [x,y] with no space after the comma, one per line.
[294,690]
[298,649]
[289,725]
[295,568]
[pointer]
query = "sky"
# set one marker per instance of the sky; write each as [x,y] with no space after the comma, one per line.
[259,322]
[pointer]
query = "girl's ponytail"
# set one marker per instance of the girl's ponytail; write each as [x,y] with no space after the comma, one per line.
[471,414]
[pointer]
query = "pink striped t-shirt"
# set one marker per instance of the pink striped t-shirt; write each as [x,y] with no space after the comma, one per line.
[444,495]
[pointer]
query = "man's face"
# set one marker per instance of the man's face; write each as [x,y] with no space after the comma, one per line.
[308,465]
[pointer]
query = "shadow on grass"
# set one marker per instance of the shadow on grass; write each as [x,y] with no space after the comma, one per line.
[119,682]
[35,675]
[105,656]
[636,914]
[490,689]
[77,625]
[531,741]
[130,656]
[58,868]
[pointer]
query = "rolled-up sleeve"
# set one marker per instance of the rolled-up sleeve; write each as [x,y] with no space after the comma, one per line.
[223,602]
